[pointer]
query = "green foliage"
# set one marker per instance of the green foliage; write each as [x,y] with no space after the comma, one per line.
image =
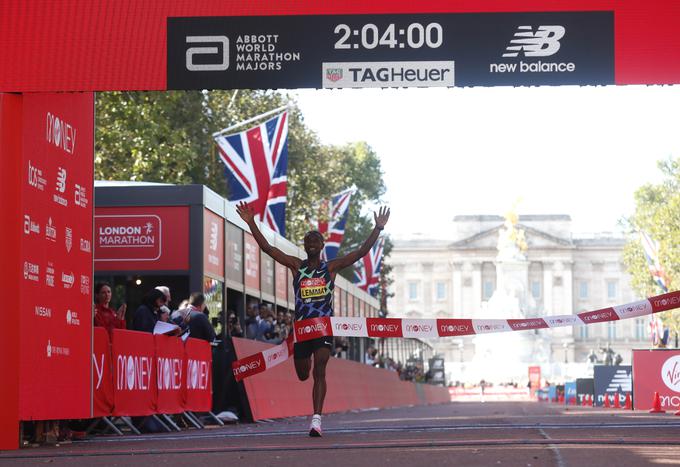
[167,137]
[657,212]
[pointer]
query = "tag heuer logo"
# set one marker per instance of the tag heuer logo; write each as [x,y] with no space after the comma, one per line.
[334,74]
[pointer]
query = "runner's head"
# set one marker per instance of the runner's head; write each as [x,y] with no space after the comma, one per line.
[314,242]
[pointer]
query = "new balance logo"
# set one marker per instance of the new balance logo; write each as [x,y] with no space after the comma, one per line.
[542,43]
[621,382]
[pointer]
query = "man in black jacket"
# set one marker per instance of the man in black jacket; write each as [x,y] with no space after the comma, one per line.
[199,326]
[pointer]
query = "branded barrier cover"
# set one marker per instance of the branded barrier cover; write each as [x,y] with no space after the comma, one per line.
[197,375]
[612,381]
[584,387]
[134,378]
[102,375]
[170,368]
[570,392]
[656,371]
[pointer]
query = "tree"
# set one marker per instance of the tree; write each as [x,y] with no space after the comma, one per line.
[657,212]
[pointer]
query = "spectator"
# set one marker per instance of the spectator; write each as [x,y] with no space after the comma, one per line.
[233,325]
[148,312]
[265,326]
[199,326]
[252,321]
[164,314]
[166,292]
[104,316]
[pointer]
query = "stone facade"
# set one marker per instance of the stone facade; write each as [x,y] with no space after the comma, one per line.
[455,277]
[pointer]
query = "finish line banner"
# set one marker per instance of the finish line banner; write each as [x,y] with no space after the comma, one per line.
[432,328]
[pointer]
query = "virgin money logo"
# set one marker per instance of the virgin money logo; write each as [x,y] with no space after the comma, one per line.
[454,327]
[631,310]
[246,367]
[670,373]
[277,356]
[598,316]
[312,328]
[519,325]
[349,327]
[352,327]
[667,301]
[385,327]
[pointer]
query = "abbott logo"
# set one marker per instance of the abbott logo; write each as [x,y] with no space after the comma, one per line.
[195,52]
[542,43]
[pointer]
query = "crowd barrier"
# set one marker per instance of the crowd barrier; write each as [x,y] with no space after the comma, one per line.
[137,374]
[278,393]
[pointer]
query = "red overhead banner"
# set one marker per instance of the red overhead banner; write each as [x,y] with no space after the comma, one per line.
[102,377]
[134,373]
[197,375]
[63,46]
[55,313]
[150,238]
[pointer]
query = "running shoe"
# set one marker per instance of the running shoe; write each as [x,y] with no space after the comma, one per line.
[315,427]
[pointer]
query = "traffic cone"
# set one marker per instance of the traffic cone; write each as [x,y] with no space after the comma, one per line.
[629,402]
[606,403]
[656,404]
[617,403]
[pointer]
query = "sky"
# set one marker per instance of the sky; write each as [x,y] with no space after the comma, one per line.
[581,151]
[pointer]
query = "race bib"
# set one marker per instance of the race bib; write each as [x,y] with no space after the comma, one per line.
[314,287]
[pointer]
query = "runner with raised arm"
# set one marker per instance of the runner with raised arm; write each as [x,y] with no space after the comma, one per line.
[313,283]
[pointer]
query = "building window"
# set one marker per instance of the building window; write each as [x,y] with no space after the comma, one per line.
[611,290]
[487,290]
[536,289]
[412,290]
[583,332]
[583,290]
[441,290]
[640,329]
[611,330]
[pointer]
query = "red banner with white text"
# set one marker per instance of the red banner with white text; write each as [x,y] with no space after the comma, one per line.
[56,256]
[134,378]
[656,371]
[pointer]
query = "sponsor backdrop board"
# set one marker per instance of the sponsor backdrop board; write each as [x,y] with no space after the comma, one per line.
[611,380]
[213,244]
[150,238]
[584,387]
[267,276]
[656,371]
[417,50]
[56,255]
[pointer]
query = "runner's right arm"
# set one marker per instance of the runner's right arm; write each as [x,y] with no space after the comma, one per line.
[245,211]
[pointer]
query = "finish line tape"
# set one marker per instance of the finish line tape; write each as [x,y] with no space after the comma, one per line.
[433,328]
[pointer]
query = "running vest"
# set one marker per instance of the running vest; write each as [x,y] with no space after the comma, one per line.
[313,292]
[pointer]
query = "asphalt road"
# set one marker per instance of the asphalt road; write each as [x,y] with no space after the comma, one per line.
[527,434]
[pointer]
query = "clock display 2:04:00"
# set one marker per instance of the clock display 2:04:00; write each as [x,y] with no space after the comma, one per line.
[369,36]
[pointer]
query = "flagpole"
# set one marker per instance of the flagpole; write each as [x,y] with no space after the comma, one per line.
[250,120]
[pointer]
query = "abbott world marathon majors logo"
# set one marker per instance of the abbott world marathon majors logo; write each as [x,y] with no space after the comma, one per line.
[541,42]
[388,74]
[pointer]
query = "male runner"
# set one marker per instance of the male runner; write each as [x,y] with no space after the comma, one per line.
[313,283]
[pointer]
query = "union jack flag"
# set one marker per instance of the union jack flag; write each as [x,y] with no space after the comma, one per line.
[331,222]
[651,250]
[367,271]
[256,163]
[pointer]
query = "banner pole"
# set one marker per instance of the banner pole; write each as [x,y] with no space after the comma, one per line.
[250,120]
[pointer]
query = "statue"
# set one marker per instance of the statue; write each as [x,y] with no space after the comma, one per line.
[592,357]
[512,244]
[608,355]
